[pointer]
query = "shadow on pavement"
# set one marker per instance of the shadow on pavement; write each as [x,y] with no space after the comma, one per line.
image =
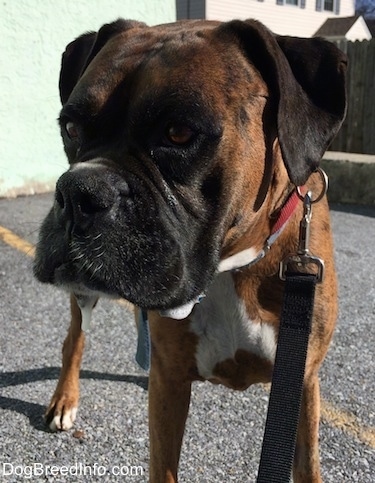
[363,210]
[35,412]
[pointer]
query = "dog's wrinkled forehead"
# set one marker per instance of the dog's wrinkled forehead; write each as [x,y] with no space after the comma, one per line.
[217,68]
[173,63]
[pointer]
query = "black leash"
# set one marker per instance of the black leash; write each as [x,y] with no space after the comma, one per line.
[284,405]
[287,380]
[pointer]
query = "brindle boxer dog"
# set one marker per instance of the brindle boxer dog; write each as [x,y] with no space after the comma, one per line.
[185,142]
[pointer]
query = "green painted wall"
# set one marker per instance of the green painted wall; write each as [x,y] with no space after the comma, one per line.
[33,35]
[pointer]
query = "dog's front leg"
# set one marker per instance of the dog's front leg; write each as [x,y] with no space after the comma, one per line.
[172,366]
[306,461]
[168,409]
[62,409]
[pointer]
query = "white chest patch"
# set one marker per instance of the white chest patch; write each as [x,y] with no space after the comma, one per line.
[223,326]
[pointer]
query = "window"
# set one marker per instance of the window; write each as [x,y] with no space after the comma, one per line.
[295,3]
[328,6]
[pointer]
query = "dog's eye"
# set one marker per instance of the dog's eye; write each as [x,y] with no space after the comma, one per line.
[178,134]
[72,130]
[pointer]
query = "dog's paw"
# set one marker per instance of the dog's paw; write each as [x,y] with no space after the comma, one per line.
[61,413]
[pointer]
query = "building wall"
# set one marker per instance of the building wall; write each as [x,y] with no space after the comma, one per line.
[281,19]
[33,34]
[359,31]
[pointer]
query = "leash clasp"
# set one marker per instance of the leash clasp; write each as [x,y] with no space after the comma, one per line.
[299,261]
[303,258]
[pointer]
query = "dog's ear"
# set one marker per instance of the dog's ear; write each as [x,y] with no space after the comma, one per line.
[79,53]
[72,62]
[306,77]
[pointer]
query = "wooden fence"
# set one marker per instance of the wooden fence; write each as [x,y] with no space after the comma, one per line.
[357,134]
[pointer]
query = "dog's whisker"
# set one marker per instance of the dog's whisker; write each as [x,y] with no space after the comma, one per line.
[99,255]
[78,257]
[98,268]
[97,236]
[97,248]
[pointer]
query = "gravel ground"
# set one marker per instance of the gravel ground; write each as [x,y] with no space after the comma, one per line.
[224,429]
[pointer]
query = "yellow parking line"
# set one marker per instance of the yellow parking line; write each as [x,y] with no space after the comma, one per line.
[347,422]
[335,417]
[16,242]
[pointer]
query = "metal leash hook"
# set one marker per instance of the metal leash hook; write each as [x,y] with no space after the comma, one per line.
[303,258]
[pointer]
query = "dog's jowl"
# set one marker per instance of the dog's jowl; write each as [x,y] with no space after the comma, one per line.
[185,141]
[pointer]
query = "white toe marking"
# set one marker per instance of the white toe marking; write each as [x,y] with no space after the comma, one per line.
[64,423]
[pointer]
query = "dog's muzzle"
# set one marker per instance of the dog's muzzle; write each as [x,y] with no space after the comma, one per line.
[115,233]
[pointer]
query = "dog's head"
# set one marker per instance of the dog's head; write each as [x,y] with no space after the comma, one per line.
[180,138]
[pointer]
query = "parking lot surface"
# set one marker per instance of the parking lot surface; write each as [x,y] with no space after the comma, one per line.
[224,429]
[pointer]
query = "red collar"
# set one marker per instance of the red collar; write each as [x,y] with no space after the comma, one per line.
[249,256]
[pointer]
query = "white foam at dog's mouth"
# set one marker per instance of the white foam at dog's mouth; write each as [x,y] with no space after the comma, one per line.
[86,304]
[179,313]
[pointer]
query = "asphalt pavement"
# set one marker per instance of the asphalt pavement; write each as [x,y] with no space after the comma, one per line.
[224,429]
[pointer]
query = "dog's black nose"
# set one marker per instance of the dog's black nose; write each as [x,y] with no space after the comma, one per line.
[84,194]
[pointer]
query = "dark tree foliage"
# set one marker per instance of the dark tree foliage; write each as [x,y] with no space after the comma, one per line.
[366,8]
